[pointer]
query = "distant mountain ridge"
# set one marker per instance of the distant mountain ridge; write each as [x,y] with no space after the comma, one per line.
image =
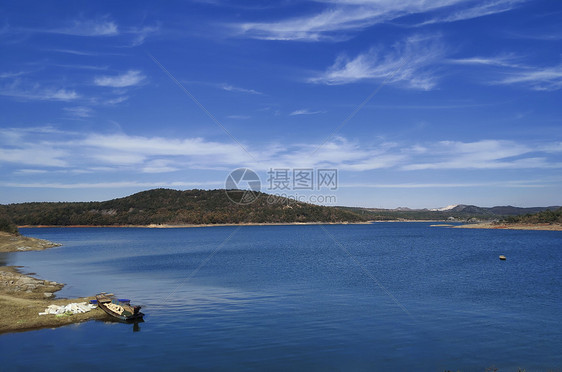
[506,210]
[459,212]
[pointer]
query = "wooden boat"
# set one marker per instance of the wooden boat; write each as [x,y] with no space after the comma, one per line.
[120,309]
[502,257]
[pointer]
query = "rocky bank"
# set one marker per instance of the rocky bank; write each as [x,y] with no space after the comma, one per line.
[23,297]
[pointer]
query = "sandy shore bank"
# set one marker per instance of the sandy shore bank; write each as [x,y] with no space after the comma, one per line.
[23,297]
[13,243]
[489,225]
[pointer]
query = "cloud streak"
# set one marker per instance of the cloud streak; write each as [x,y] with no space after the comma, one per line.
[127,79]
[533,77]
[37,92]
[86,27]
[306,112]
[410,63]
[110,185]
[340,18]
[548,78]
[484,154]
[476,11]
[231,88]
[498,61]
[141,33]
[47,148]
[79,111]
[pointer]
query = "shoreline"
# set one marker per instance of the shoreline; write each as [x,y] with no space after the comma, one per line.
[19,243]
[437,223]
[23,297]
[182,226]
[492,226]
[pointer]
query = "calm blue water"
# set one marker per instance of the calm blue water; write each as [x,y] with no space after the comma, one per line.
[387,296]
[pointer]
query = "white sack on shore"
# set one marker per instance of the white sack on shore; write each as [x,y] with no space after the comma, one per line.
[73,308]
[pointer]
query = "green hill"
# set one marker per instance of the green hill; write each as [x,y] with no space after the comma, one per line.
[546,216]
[165,206]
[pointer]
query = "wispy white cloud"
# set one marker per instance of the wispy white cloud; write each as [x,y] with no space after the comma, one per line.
[547,78]
[140,34]
[340,18]
[484,154]
[432,185]
[43,155]
[75,52]
[514,73]
[231,88]
[159,166]
[79,111]
[37,93]
[476,10]
[87,27]
[410,63]
[103,153]
[116,100]
[130,78]
[338,153]
[31,171]
[552,148]
[26,147]
[82,67]
[499,61]
[110,185]
[11,75]
[306,112]
[116,157]
[140,153]
[549,36]
[96,27]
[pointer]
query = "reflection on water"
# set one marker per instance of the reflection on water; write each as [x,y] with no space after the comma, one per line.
[5,259]
[133,324]
[288,297]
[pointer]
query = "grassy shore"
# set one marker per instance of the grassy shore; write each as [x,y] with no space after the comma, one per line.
[23,297]
[18,243]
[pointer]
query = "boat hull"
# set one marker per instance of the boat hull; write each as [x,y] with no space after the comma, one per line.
[119,310]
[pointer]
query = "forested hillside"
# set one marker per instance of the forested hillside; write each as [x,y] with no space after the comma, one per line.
[547,216]
[6,224]
[164,206]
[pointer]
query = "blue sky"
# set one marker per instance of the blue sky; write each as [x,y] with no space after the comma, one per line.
[415,103]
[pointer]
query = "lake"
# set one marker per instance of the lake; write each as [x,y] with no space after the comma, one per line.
[383,296]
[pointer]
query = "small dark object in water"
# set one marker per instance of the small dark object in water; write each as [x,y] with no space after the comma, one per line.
[502,257]
[120,309]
